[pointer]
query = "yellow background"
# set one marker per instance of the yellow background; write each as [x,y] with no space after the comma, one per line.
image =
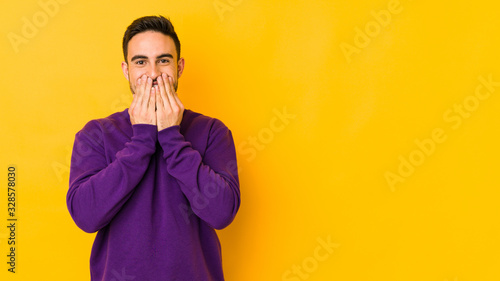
[321,176]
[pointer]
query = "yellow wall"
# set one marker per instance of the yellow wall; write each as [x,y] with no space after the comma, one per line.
[389,151]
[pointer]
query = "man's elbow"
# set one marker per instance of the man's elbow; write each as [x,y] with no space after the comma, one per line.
[224,219]
[222,223]
[85,223]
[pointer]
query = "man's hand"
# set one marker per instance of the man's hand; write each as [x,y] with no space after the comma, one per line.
[169,109]
[142,109]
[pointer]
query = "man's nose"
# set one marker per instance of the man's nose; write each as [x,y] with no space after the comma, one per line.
[154,72]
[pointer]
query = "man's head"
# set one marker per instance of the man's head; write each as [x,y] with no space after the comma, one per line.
[151,47]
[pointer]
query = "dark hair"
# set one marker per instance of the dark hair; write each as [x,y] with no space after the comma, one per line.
[151,23]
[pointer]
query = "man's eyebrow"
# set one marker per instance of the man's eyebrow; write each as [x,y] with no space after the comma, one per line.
[136,57]
[165,56]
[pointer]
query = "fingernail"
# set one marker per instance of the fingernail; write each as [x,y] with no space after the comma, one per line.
[149,79]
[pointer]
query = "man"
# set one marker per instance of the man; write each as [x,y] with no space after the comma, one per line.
[154,180]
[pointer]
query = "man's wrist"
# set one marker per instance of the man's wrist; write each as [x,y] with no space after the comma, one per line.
[145,134]
[170,137]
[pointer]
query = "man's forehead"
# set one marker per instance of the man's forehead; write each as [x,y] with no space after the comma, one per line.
[151,43]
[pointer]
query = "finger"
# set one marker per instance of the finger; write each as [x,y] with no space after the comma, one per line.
[159,102]
[167,92]
[147,94]
[140,90]
[152,98]
[168,82]
[136,97]
[163,92]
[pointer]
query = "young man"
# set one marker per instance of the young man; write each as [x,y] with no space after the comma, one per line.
[154,180]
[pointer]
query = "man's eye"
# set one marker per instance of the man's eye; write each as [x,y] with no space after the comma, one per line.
[140,62]
[163,61]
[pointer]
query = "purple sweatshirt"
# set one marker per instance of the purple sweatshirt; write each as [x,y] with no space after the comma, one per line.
[154,198]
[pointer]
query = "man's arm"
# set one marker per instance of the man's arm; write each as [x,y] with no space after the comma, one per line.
[210,183]
[98,190]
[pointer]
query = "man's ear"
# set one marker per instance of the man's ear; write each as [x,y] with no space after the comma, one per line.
[180,67]
[125,69]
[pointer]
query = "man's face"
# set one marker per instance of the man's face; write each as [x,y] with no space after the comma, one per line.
[151,53]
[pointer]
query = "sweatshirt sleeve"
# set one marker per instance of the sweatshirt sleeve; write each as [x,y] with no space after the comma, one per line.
[210,183]
[98,190]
